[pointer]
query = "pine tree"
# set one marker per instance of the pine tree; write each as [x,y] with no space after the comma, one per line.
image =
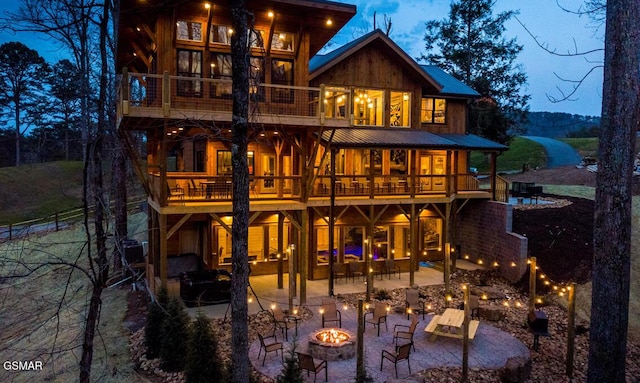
[291,372]
[153,328]
[470,46]
[175,331]
[203,361]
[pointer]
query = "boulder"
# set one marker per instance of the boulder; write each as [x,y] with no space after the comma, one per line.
[516,370]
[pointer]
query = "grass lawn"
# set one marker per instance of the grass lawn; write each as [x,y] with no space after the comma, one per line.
[39,190]
[520,151]
[586,147]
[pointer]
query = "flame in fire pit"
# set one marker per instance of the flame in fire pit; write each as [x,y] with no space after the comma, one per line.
[332,336]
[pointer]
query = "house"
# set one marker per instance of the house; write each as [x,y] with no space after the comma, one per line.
[357,155]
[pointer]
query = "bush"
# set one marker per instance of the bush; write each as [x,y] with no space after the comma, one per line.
[291,372]
[203,362]
[153,328]
[381,295]
[175,332]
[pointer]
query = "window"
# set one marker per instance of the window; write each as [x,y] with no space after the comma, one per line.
[256,38]
[189,65]
[221,70]
[256,78]
[397,162]
[224,166]
[282,74]
[433,110]
[368,106]
[335,103]
[189,31]
[282,41]
[220,34]
[400,109]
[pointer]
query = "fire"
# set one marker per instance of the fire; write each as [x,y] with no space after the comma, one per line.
[332,336]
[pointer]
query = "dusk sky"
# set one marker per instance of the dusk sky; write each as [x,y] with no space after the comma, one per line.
[544,18]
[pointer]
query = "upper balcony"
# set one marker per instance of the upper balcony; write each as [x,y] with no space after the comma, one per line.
[143,96]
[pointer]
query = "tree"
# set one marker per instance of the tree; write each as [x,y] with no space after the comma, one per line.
[291,372]
[203,361]
[471,47]
[23,73]
[175,332]
[240,179]
[612,219]
[66,83]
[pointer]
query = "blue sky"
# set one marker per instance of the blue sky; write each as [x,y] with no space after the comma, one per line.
[544,18]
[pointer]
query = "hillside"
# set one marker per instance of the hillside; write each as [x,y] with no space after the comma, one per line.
[36,190]
[558,125]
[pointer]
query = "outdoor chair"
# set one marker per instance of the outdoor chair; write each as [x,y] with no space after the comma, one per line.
[413,302]
[403,331]
[402,353]
[195,190]
[307,363]
[339,271]
[284,322]
[268,344]
[379,316]
[391,268]
[330,312]
[354,270]
[175,191]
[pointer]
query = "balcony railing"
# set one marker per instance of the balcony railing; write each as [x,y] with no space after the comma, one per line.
[149,95]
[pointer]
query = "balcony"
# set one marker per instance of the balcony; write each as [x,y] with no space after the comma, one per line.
[164,96]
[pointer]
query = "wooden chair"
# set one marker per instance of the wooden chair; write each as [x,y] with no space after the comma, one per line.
[307,363]
[402,353]
[269,346]
[330,312]
[354,270]
[403,331]
[413,302]
[391,268]
[379,316]
[284,322]
[195,190]
[175,191]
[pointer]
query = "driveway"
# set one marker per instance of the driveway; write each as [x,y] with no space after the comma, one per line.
[558,153]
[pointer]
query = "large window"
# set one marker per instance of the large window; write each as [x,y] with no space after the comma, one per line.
[220,34]
[221,70]
[282,41]
[282,74]
[223,163]
[189,65]
[368,106]
[433,110]
[400,109]
[189,31]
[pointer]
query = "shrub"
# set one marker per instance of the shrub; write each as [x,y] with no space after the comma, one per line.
[203,361]
[291,372]
[175,331]
[382,295]
[153,328]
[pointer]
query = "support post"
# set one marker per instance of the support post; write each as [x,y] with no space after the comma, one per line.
[280,254]
[292,276]
[571,328]
[532,284]
[360,370]
[368,265]
[447,270]
[465,334]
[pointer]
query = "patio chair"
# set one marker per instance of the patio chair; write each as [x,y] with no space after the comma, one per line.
[354,270]
[339,271]
[284,322]
[413,302]
[330,312]
[402,353]
[403,331]
[268,344]
[391,268]
[307,363]
[195,190]
[379,316]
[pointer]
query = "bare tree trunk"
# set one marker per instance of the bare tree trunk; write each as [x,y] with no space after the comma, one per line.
[120,201]
[240,228]
[612,219]
[100,266]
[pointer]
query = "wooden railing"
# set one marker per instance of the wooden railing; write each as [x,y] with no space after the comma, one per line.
[149,95]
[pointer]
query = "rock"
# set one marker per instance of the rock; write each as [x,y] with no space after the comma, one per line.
[492,314]
[516,370]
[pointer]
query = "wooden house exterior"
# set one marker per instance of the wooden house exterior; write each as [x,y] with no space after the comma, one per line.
[360,151]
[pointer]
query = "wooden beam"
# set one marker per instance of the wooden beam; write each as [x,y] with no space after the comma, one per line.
[178,225]
[292,219]
[221,222]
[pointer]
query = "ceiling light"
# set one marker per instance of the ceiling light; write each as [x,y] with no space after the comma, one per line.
[207,5]
[270,14]
[329,22]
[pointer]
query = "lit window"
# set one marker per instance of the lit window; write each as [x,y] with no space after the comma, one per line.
[189,30]
[282,41]
[433,110]
[400,109]
[220,34]
[368,106]
[189,65]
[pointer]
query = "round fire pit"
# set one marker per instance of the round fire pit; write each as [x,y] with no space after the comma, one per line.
[332,344]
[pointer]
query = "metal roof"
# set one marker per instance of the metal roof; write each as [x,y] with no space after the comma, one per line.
[450,84]
[405,139]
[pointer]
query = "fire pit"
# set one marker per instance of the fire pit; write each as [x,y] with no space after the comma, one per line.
[332,344]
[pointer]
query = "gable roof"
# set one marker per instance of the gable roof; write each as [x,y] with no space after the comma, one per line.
[318,64]
[450,85]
